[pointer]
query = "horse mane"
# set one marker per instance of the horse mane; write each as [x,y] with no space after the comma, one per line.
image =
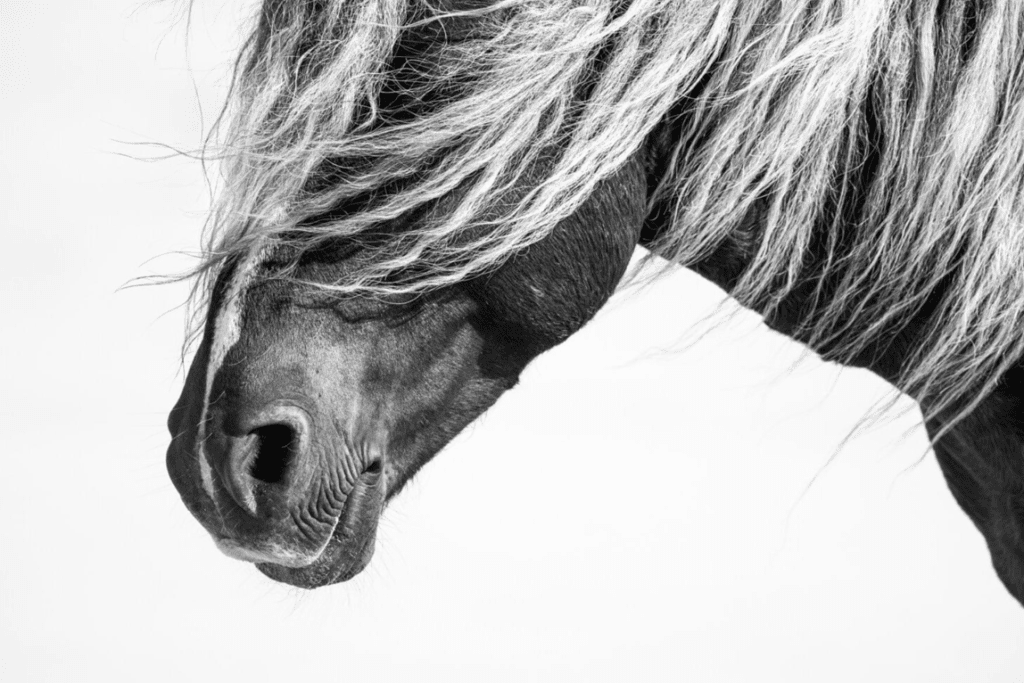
[880,143]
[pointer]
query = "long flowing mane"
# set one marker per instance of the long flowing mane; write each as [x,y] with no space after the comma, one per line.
[880,144]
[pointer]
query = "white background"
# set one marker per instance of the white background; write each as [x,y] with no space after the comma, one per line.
[637,509]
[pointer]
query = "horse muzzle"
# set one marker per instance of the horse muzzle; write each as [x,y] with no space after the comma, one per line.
[351,544]
[302,506]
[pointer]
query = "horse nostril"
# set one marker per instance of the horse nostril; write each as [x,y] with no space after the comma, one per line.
[275,449]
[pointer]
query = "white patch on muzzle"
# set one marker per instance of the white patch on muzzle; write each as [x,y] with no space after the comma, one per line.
[227,328]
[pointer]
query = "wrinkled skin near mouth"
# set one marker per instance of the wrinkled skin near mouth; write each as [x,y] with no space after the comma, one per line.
[352,542]
[348,549]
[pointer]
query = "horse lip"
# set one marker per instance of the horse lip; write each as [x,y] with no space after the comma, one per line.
[281,556]
[351,545]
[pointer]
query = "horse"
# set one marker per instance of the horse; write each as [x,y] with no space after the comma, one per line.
[419,197]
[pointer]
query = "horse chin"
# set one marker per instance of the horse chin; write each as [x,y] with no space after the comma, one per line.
[351,544]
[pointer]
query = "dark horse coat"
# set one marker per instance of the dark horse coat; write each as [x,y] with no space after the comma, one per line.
[419,198]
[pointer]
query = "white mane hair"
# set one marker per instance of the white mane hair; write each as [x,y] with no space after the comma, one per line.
[880,142]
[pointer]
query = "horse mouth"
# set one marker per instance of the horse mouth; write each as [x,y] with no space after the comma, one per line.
[351,544]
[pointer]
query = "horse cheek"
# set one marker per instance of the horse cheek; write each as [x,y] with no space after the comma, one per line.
[546,293]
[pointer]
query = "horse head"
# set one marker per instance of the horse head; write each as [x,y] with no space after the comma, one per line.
[304,410]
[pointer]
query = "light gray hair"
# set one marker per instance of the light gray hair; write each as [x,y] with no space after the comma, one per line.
[881,143]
